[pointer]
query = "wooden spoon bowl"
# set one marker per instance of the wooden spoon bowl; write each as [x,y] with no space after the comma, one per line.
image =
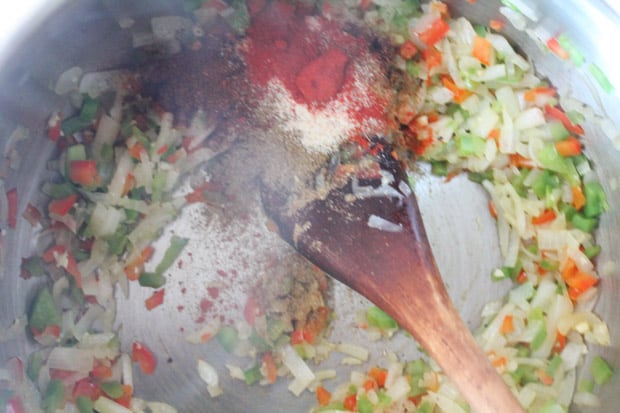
[390,262]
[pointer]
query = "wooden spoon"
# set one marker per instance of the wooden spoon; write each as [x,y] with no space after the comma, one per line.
[394,268]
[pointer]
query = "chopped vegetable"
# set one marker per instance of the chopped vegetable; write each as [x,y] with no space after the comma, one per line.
[144,357]
[601,78]
[112,389]
[84,172]
[228,338]
[53,397]
[43,312]
[435,32]
[483,50]
[378,318]
[557,113]
[323,396]
[172,253]
[600,370]
[155,300]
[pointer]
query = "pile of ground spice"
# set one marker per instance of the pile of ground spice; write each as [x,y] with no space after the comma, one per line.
[319,80]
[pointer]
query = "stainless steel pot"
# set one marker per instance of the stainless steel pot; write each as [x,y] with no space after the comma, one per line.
[61,34]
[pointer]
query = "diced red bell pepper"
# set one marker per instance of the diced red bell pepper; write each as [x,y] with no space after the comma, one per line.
[50,256]
[145,358]
[11,197]
[350,402]
[101,370]
[55,130]
[86,388]
[155,300]
[61,207]
[198,194]
[297,336]
[162,149]
[557,113]
[125,399]
[84,172]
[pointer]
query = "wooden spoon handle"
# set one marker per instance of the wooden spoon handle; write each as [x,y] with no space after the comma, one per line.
[441,331]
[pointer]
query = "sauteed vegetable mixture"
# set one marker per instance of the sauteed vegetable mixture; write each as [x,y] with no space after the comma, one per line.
[445,92]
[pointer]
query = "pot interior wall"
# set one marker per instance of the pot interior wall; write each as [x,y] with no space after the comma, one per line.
[86,34]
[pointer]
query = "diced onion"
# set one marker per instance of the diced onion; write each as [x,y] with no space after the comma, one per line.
[298,368]
[208,374]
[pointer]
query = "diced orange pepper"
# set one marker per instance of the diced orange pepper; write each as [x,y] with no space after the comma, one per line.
[521,278]
[560,342]
[569,147]
[134,268]
[271,370]
[580,283]
[548,215]
[482,50]
[544,377]
[579,199]
[323,396]
[459,94]
[125,399]
[495,135]
[500,361]
[492,209]
[436,31]
[379,375]
[521,162]
[507,325]
[569,269]
[136,151]
[432,57]
[130,182]
[369,385]
[530,95]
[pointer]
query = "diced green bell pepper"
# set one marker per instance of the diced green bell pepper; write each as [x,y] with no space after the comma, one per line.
[43,312]
[228,338]
[378,318]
